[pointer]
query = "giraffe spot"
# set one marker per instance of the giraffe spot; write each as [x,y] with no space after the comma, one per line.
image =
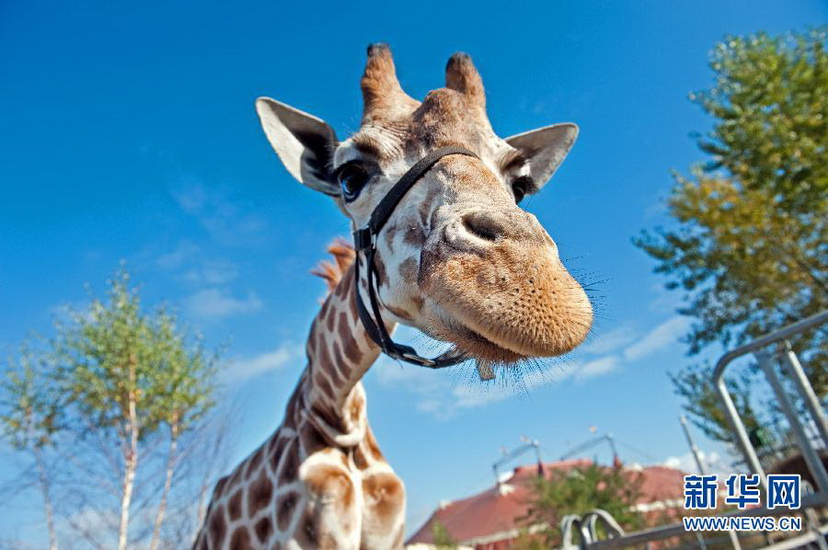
[402,314]
[312,440]
[330,317]
[360,461]
[259,494]
[284,509]
[240,540]
[414,236]
[234,506]
[263,529]
[254,463]
[385,494]
[351,351]
[306,533]
[289,466]
[356,407]
[352,305]
[342,366]
[390,233]
[382,274]
[408,270]
[373,448]
[220,486]
[218,528]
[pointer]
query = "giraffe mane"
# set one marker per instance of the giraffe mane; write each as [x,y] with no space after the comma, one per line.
[332,271]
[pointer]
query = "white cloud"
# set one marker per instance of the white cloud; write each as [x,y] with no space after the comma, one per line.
[598,367]
[287,354]
[664,335]
[216,303]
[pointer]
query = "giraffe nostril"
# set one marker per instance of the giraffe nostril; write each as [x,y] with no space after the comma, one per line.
[483,226]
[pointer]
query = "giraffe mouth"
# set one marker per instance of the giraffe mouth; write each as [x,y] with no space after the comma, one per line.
[474,344]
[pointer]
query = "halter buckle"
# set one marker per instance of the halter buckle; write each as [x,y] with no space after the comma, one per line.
[364,238]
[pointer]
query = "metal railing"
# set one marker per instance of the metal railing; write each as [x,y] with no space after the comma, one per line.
[586,527]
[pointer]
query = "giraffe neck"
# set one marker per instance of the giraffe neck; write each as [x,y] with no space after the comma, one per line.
[339,353]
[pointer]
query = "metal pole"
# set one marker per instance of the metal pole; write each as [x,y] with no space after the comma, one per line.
[795,371]
[693,448]
[741,433]
[808,452]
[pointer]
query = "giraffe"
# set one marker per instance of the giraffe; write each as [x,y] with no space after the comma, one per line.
[459,259]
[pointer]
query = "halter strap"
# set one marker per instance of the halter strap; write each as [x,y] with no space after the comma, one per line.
[365,241]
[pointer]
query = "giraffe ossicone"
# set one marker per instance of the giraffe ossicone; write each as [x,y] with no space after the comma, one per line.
[458,259]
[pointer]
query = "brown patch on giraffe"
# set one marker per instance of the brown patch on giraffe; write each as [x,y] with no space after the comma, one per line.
[352,351]
[321,381]
[400,313]
[390,233]
[408,271]
[340,364]
[360,460]
[373,448]
[382,273]
[220,485]
[241,539]
[284,509]
[306,531]
[312,440]
[414,236]
[234,506]
[218,527]
[385,493]
[330,317]
[356,406]
[290,464]
[259,494]
[263,528]
[255,462]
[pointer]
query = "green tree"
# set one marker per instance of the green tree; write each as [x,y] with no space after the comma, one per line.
[442,538]
[130,383]
[31,404]
[578,491]
[750,245]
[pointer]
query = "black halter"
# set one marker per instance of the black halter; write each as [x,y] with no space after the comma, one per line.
[365,240]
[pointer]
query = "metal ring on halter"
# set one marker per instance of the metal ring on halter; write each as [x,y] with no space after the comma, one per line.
[365,242]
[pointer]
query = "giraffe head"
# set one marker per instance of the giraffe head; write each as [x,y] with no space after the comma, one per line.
[459,258]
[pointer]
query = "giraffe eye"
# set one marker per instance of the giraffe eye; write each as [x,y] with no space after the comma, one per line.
[520,187]
[352,177]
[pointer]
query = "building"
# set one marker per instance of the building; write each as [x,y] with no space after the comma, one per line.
[491,519]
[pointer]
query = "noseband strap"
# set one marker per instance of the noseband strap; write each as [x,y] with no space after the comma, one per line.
[365,242]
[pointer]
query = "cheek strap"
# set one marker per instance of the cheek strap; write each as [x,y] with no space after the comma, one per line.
[365,244]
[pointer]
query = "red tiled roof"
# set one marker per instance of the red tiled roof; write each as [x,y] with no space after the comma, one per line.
[497,510]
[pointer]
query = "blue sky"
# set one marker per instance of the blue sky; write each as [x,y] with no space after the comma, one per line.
[129,133]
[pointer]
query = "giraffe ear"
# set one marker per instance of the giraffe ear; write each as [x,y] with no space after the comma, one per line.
[546,148]
[304,143]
